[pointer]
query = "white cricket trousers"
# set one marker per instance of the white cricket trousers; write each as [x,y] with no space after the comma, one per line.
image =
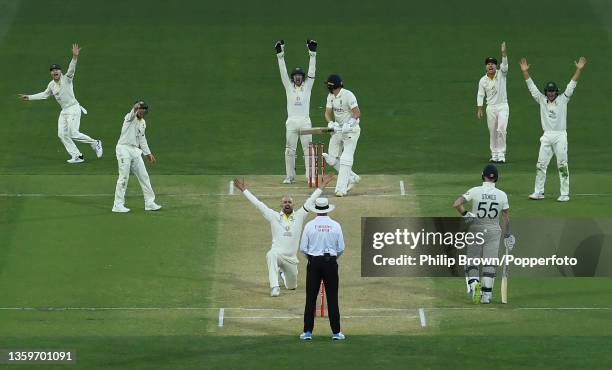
[497,120]
[277,263]
[342,152]
[293,125]
[68,125]
[130,158]
[553,142]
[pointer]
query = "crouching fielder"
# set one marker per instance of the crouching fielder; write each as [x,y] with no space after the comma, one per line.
[488,204]
[130,148]
[342,115]
[286,228]
[553,114]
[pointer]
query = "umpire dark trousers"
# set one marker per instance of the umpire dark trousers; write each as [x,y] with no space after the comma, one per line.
[322,268]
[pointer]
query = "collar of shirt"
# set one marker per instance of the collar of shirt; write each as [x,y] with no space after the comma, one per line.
[339,93]
[284,216]
[488,184]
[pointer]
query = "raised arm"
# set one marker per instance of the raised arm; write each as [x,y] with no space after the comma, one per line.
[76,50]
[569,90]
[312,64]
[268,213]
[326,179]
[280,55]
[504,64]
[537,95]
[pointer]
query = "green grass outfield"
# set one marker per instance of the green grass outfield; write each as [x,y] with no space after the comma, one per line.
[208,71]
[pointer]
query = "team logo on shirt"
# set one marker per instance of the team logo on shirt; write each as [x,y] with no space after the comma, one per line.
[288,232]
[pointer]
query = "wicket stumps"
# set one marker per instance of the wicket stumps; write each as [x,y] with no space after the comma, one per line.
[322,308]
[316,163]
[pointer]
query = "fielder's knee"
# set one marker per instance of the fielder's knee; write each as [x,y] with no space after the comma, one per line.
[289,152]
[563,168]
[346,162]
[541,166]
[331,160]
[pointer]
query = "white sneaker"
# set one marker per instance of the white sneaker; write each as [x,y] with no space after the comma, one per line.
[97,147]
[77,159]
[120,208]
[339,194]
[275,292]
[354,180]
[288,180]
[563,198]
[338,336]
[536,196]
[501,160]
[152,207]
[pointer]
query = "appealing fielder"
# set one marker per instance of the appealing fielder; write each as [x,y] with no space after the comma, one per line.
[62,88]
[553,114]
[298,90]
[493,86]
[131,146]
[286,227]
[488,205]
[342,115]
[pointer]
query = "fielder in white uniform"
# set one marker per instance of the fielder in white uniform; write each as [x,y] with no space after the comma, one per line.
[298,90]
[131,146]
[553,114]
[342,115]
[493,86]
[61,87]
[489,204]
[286,227]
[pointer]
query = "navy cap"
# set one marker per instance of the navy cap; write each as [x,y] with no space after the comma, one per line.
[490,172]
[54,66]
[490,60]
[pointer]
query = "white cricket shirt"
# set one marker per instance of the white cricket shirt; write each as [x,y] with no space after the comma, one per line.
[285,229]
[552,114]
[133,133]
[494,88]
[342,104]
[322,235]
[487,203]
[62,90]
[298,97]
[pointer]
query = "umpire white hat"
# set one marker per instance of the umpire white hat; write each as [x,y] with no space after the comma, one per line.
[321,205]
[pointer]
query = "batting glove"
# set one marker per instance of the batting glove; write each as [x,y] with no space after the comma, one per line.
[509,241]
[279,46]
[312,45]
[469,217]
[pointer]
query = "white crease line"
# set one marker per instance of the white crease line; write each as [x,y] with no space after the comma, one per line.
[301,317]
[221,314]
[422,317]
[402,188]
[107,308]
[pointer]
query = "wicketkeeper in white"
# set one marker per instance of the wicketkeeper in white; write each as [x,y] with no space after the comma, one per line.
[131,147]
[488,205]
[493,86]
[298,90]
[342,115]
[553,114]
[286,227]
[61,87]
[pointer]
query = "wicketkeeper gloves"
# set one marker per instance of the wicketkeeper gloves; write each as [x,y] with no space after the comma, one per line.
[279,46]
[312,45]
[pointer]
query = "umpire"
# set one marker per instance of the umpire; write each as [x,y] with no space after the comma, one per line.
[322,243]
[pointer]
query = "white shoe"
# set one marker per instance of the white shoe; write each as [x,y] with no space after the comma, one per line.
[354,180]
[339,194]
[97,147]
[563,198]
[275,292]
[152,207]
[338,336]
[288,180]
[501,160]
[536,196]
[485,298]
[120,208]
[77,159]
[282,275]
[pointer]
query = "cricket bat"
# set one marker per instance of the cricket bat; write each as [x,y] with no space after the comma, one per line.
[315,130]
[504,282]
